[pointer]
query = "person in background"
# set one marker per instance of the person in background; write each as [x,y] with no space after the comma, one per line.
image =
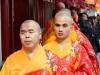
[74,14]
[31,58]
[93,34]
[97,27]
[85,25]
[59,6]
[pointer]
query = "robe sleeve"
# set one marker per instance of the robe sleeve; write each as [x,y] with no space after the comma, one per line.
[85,65]
[9,68]
[90,52]
[5,69]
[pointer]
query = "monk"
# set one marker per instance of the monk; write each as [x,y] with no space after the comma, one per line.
[48,28]
[31,58]
[70,53]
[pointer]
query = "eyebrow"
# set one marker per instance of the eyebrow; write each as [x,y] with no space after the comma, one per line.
[22,30]
[31,30]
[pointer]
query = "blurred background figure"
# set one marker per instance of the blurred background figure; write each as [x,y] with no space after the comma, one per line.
[84,24]
[74,14]
[87,25]
[59,6]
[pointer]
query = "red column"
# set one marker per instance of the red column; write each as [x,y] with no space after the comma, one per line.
[45,13]
[10,23]
[5,28]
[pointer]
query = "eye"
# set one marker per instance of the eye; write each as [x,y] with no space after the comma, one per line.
[22,32]
[65,25]
[57,25]
[31,31]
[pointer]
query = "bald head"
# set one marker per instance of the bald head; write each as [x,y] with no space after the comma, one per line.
[64,13]
[60,5]
[31,22]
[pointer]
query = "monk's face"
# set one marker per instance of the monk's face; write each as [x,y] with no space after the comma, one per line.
[29,35]
[62,27]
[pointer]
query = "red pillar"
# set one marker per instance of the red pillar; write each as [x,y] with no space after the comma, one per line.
[5,28]
[10,23]
[45,13]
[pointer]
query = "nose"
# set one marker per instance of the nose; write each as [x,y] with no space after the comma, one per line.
[60,29]
[27,35]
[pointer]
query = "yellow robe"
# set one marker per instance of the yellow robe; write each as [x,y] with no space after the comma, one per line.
[53,45]
[18,63]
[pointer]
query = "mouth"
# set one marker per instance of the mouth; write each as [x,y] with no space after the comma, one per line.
[60,34]
[27,42]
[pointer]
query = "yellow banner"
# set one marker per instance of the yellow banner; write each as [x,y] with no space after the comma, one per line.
[90,2]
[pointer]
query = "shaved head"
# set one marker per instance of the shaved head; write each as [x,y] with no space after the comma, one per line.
[61,5]
[64,13]
[26,22]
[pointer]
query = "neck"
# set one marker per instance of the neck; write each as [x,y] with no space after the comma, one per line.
[61,42]
[30,51]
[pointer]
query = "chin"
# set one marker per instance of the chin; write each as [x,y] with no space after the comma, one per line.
[28,46]
[60,37]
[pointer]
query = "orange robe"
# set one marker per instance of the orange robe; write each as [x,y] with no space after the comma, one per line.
[48,31]
[19,64]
